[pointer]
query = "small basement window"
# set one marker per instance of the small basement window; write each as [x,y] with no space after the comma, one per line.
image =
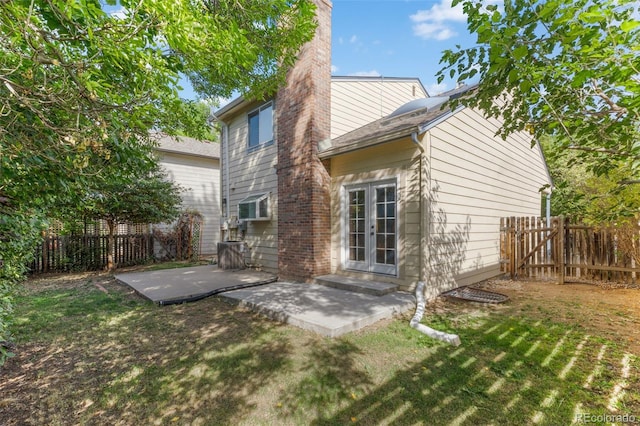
[254,207]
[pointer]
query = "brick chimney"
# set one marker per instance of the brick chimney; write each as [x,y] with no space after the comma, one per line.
[303,118]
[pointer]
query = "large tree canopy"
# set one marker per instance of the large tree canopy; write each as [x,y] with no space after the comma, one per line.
[82,82]
[80,88]
[568,68]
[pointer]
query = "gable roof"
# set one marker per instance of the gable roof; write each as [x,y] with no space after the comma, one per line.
[417,116]
[187,146]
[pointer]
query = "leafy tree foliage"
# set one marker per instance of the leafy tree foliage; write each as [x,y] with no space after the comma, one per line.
[147,197]
[584,196]
[567,68]
[80,88]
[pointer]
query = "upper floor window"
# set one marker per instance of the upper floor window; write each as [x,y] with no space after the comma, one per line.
[261,125]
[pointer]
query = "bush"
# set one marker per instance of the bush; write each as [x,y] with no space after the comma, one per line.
[19,234]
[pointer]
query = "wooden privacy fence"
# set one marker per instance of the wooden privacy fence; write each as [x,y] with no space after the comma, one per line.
[531,247]
[64,253]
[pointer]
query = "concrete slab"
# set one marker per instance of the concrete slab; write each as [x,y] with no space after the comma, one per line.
[376,288]
[324,310]
[178,285]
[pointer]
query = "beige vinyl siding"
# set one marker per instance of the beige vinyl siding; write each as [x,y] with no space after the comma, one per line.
[390,161]
[476,178]
[200,178]
[357,102]
[253,173]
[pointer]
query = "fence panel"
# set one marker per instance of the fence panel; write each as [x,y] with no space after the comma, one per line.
[66,253]
[532,248]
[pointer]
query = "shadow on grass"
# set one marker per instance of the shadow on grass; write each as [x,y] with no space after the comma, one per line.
[507,371]
[331,375]
[98,359]
[92,358]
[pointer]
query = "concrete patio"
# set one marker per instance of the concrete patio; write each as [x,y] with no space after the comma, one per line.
[179,285]
[323,309]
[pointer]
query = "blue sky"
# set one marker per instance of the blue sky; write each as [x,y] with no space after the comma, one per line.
[393,38]
[396,38]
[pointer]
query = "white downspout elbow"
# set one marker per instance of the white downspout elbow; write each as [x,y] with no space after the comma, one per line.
[452,339]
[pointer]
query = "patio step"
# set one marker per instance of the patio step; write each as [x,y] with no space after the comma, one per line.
[376,288]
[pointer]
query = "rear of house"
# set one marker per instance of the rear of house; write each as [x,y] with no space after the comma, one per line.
[370,178]
[250,154]
[419,196]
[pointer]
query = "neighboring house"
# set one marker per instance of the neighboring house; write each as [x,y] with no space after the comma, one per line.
[371,178]
[195,165]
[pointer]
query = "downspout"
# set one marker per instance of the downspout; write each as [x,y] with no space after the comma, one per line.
[225,165]
[225,153]
[548,213]
[225,160]
[452,339]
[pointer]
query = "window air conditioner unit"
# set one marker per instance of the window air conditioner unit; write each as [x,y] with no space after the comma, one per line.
[254,207]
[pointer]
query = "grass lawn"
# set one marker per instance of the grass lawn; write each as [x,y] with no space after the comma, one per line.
[86,356]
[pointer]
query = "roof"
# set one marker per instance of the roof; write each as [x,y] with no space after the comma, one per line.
[187,146]
[417,116]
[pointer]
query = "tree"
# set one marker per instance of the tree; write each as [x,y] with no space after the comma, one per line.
[80,88]
[148,197]
[584,196]
[210,133]
[566,68]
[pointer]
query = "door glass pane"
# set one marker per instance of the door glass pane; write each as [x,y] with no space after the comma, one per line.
[391,257]
[357,237]
[385,225]
[371,228]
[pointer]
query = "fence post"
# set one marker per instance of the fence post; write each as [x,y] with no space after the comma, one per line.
[512,246]
[562,255]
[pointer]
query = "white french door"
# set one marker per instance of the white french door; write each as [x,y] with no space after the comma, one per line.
[371,237]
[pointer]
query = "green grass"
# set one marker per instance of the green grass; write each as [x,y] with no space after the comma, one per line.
[96,358]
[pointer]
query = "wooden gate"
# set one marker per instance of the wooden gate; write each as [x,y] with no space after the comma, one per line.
[530,247]
[534,247]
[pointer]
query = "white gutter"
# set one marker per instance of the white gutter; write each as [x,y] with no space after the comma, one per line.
[225,161]
[452,339]
[225,155]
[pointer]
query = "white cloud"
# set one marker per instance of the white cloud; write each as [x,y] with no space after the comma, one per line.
[440,12]
[334,69]
[353,39]
[435,23]
[372,73]
[434,31]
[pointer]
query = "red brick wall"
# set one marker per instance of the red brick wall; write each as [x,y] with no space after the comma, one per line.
[303,118]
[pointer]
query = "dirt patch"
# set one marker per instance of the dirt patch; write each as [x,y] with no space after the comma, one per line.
[602,309]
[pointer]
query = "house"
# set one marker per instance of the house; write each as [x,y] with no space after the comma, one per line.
[195,165]
[371,178]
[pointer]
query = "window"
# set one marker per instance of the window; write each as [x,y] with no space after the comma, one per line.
[261,126]
[254,207]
